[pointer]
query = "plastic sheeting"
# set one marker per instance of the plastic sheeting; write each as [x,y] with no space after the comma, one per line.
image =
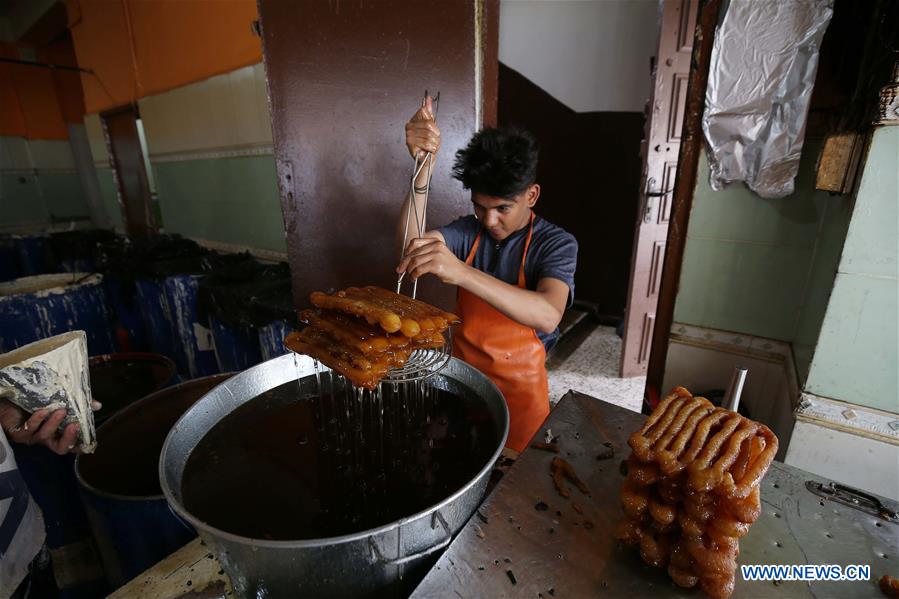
[761,77]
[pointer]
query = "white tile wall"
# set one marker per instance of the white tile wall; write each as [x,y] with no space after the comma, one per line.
[18,153]
[219,113]
[14,154]
[52,154]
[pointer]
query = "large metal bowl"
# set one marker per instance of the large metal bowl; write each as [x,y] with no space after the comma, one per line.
[366,563]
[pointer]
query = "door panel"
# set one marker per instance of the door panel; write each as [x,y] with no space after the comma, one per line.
[660,152]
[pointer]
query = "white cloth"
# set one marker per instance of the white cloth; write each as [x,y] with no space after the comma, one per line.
[21,524]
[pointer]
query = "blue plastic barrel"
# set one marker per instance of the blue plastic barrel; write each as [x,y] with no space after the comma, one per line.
[30,251]
[236,348]
[9,260]
[194,348]
[271,339]
[130,334]
[33,308]
[153,309]
[119,483]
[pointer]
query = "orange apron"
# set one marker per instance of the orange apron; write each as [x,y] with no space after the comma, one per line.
[509,353]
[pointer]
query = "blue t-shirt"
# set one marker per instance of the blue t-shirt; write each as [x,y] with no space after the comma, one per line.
[552,254]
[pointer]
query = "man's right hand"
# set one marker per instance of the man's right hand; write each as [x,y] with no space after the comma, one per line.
[422,133]
[422,136]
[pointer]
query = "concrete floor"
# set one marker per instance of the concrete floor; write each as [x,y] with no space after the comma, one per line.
[586,360]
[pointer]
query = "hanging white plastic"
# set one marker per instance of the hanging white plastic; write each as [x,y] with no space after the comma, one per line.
[762,72]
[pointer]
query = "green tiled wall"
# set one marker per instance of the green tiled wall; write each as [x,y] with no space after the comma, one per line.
[21,200]
[230,200]
[748,260]
[855,360]
[838,211]
[742,287]
[872,244]
[63,195]
[856,356]
[49,194]
[38,182]
[813,269]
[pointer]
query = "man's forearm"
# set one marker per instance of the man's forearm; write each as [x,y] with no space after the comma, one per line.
[418,192]
[526,307]
[412,230]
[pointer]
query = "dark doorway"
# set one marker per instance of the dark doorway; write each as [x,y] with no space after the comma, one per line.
[589,173]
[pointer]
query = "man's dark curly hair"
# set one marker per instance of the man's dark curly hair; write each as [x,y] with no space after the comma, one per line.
[500,163]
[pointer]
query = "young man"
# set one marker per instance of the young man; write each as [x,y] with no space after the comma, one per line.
[514,270]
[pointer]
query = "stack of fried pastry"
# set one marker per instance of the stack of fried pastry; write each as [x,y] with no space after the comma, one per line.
[692,489]
[362,332]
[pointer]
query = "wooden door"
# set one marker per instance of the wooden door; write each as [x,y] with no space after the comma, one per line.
[660,148]
[128,168]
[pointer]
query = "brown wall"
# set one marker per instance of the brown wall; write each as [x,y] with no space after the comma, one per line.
[344,77]
[589,173]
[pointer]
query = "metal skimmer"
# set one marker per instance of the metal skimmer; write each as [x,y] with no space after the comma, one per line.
[422,363]
[412,209]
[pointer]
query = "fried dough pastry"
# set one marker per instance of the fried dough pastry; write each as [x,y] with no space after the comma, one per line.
[392,311]
[358,369]
[372,313]
[430,340]
[889,586]
[362,332]
[692,489]
[562,470]
[368,339]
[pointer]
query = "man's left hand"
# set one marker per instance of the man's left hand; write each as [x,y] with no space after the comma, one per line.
[426,255]
[40,428]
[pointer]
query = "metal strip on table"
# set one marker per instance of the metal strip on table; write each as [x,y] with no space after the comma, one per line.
[513,547]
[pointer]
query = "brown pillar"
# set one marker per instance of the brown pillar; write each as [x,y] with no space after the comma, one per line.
[344,76]
[129,172]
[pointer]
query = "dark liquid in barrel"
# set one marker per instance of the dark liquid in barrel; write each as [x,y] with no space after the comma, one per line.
[294,463]
[119,383]
[126,461]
